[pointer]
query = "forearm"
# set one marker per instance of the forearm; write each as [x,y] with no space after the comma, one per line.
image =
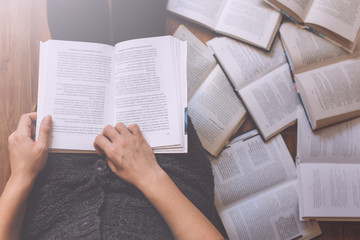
[182,217]
[12,206]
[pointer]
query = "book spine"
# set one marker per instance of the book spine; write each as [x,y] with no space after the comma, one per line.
[288,16]
[314,31]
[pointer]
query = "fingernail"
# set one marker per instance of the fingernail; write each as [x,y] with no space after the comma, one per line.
[47,119]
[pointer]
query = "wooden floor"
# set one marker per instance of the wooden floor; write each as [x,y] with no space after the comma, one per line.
[23,24]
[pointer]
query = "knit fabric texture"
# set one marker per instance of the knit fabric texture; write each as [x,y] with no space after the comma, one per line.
[77,196]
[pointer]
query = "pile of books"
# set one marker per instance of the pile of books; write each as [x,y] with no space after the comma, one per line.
[279,80]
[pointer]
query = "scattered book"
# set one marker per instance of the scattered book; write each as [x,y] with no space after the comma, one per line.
[304,49]
[85,86]
[331,92]
[263,81]
[214,107]
[329,171]
[336,21]
[253,22]
[256,192]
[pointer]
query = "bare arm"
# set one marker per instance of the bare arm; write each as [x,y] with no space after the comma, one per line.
[27,159]
[131,158]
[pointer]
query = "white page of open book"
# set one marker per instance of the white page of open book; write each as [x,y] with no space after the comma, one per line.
[341,17]
[331,90]
[205,13]
[339,143]
[216,111]
[251,20]
[271,215]
[330,190]
[200,60]
[272,101]
[250,166]
[75,82]
[146,81]
[245,64]
[305,48]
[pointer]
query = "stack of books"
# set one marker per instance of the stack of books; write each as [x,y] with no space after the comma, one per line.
[309,75]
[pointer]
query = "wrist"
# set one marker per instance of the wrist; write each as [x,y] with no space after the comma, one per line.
[21,182]
[152,181]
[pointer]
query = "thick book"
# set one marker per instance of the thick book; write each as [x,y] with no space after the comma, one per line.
[85,86]
[214,107]
[304,49]
[263,82]
[336,21]
[256,193]
[253,22]
[329,171]
[330,92]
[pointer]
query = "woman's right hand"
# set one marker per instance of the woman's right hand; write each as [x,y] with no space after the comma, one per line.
[128,154]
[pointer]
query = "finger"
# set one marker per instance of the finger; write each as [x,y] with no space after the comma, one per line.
[33,116]
[33,131]
[98,151]
[111,165]
[45,131]
[135,130]
[25,122]
[102,143]
[122,129]
[111,133]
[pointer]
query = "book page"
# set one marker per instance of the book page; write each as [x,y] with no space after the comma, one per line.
[300,7]
[331,93]
[272,215]
[305,48]
[200,60]
[75,87]
[339,143]
[252,21]
[147,82]
[341,17]
[244,64]
[216,111]
[330,190]
[250,166]
[203,12]
[272,101]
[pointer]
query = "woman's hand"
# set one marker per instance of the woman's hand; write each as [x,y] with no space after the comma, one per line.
[128,154]
[28,157]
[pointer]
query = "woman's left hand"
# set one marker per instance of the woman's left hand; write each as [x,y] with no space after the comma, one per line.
[27,156]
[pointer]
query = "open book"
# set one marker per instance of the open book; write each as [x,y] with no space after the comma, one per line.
[306,50]
[214,108]
[262,80]
[329,171]
[252,21]
[85,86]
[256,192]
[331,92]
[337,21]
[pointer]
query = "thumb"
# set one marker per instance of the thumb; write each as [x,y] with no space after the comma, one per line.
[45,131]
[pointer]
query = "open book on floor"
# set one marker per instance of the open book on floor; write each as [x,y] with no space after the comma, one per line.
[214,108]
[329,171]
[337,21]
[253,22]
[331,91]
[85,86]
[262,80]
[305,50]
[256,192]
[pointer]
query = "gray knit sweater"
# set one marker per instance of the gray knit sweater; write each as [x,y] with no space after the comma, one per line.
[76,196]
